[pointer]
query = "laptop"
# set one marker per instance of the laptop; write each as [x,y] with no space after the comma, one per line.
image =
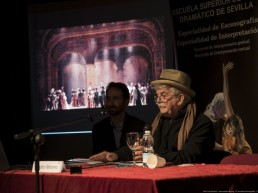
[4,164]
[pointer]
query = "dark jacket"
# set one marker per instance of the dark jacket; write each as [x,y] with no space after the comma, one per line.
[198,146]
[103,138]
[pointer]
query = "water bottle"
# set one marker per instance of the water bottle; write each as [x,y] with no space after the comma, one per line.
[147,143]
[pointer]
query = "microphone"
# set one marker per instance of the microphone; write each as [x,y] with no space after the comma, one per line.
[23,135]
[35,132]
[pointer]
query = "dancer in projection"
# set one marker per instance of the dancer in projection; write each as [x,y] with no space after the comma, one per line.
[231,138]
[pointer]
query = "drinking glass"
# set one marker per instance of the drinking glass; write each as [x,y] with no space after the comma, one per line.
[133,140]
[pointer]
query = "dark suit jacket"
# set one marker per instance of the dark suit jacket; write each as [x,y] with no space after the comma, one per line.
[198,146]
[103,138]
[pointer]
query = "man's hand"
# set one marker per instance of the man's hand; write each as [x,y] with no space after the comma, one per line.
[104,156]
[138,153]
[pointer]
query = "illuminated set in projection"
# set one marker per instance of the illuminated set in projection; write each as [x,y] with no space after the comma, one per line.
[75,64]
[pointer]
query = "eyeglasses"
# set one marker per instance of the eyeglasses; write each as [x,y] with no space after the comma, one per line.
[164,98]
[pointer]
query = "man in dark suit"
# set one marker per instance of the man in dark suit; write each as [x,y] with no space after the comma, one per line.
[109,135]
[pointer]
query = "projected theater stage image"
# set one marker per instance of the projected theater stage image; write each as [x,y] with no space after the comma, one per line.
[76,50]
[75,64]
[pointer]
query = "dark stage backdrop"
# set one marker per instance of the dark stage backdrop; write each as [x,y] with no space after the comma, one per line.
[23,114]
[209,33]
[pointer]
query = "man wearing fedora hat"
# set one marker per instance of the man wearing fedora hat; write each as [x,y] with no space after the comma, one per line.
[180,135]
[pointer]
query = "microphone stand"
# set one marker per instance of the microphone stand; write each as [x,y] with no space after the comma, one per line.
[37,139]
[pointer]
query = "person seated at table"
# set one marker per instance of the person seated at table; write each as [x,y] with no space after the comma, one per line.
[109,134]
[180,134]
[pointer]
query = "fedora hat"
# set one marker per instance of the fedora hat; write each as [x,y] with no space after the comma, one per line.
[177,79]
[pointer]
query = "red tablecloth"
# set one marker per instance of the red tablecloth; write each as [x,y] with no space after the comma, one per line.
[111,179]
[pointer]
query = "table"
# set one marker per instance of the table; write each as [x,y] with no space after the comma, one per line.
[135,179]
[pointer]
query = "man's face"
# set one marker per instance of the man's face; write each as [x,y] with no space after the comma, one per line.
[167,101]
[115,102]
